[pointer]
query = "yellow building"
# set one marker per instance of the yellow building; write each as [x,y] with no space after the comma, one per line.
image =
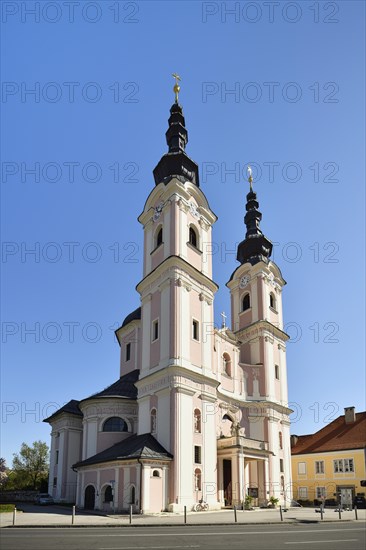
[331,463]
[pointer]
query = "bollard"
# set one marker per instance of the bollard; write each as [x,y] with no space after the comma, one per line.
[185,514]
[356,512]
[235,516]
[130,513]
[14,515]
[340,512]
[281,513]
[73,516]
[321,511]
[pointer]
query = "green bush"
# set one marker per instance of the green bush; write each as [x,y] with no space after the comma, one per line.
[248,502]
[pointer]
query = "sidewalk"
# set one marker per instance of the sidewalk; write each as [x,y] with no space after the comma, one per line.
[62,517]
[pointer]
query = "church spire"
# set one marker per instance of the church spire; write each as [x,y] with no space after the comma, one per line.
[176,162]
[255,247]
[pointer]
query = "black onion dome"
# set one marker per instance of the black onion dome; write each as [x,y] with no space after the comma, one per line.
[255,247]
[176,162]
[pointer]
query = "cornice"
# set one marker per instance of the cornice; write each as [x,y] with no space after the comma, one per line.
[176,191]
[176,263]
[170,377]
[235,397]
[262,328]
[131,326]
[260,269]
[271,405]
[227,335]
[108,464]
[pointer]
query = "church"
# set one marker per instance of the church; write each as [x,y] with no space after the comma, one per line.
[198,412]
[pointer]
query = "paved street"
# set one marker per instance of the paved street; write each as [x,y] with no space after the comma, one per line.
[350,536]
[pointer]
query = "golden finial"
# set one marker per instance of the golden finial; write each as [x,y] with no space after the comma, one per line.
[250,177]
[176,86]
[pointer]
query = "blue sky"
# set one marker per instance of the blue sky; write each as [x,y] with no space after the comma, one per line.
[93,130]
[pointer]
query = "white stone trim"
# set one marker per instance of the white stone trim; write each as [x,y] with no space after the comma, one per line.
[269,367]
[253,289]
[167,230]
[164,418]
[145,504]
[165,327]
[148,237]
[146,339]
[59,469]
[185,336]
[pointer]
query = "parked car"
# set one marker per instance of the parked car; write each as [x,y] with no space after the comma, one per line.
[330,502]
[360,502]
[43,499]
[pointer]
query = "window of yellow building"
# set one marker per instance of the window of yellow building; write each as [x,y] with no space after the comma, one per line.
[302,493]
[343,465]
[320,492]
[319,466]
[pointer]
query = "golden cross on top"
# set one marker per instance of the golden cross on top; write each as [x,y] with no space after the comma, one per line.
[176,88]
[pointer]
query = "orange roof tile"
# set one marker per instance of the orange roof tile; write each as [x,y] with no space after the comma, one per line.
[336,436]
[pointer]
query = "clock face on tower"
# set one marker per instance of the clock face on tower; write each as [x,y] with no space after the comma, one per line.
[157,211]
[244,281]
[193,210]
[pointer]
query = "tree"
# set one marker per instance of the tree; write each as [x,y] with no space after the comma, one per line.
[30,466]
[3,473]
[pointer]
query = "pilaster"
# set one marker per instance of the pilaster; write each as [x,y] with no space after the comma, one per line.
[146,331]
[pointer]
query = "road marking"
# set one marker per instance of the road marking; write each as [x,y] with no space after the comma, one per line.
[80,532]
[202,534]
[318,541]
[148,547]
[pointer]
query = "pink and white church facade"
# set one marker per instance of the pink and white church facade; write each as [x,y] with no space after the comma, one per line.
[197,412]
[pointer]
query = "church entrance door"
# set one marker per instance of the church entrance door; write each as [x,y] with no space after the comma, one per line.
[89,501]
[227,482]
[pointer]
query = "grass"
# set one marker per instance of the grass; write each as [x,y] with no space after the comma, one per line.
[6,508]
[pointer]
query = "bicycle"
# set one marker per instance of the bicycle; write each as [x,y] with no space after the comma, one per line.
[201,506]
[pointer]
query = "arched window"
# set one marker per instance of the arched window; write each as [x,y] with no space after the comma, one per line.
[156,473]
[159,237]
[280,439]
[153,421]
[193,239]
[197,479]
[246,301]
[272,301]
[197,421]
[226,363]
[133,495]
[108,494]
[115,424]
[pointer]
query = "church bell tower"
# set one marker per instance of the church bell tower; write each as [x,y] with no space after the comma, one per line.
[176,381]
[256,309]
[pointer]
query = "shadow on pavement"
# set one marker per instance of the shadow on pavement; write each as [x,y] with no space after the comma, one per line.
[30,508]
[297,520]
